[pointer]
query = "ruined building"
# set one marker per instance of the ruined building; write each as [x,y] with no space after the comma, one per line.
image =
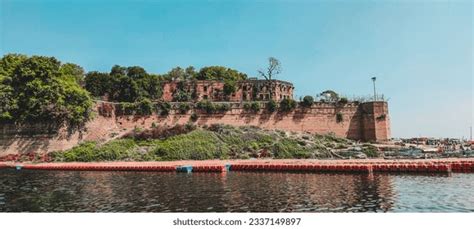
[214,90]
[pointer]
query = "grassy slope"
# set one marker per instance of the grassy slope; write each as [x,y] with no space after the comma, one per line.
[217,142]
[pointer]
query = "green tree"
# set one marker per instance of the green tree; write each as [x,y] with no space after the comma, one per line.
[98,84]
[42,93]
[125,89]
[136,72]
[73,71]
[307,101]
[287,105]
[220,73]
[230,86]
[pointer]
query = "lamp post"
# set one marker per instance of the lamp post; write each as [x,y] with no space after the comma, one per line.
[375,92]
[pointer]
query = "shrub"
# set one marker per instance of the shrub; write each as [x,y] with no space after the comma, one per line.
[307,101]
[247,106]
[207,106]
[255,106]
[144,107]
[223,107]
[289,148]
[370,151]
[184,108]
[382,117]
[194,117]
[287,105]
[272,106]
[164,108]
[196,145]
[126,108]
[339,117]
[343,101]
[229,87]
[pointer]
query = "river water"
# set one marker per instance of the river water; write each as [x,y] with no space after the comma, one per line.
[81,191]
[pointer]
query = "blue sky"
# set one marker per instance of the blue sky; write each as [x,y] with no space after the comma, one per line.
[420,51]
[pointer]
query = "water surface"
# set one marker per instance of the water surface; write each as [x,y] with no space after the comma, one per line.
[81,191]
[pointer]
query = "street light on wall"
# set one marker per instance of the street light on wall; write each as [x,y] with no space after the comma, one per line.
[375,92]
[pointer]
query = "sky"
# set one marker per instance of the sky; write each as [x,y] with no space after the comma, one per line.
[420,51]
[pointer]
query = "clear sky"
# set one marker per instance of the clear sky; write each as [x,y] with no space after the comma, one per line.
[420,51]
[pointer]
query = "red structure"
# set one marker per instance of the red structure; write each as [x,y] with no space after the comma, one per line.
[213,90]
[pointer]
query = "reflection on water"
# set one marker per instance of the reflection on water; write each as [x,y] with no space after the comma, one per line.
[54,191]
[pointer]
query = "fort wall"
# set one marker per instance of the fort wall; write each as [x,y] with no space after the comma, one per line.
[366,122]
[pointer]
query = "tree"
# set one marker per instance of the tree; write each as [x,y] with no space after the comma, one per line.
[40,92]
[307,101]
[118,70]
[273,69]
[230,86]
[176,73]
[136,72]
[287,105]
[125,89]
[190,73]
[220,73]
[98,83]
[73,71]
[8,102]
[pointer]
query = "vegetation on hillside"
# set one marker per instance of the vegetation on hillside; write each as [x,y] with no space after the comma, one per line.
[189,142]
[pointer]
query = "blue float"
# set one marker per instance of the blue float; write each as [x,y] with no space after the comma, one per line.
[184,169]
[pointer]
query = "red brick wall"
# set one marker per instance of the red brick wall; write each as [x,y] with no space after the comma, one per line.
[360,122]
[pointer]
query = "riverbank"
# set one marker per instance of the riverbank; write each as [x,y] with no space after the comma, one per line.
[285,165]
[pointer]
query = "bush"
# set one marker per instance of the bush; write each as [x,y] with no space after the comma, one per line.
[164,108]
[125,108]
[207,106]
[229,87]
[339,117]
[223,107]
[289,148]
[287,105]
[247,106]
[272,106]
[184,108]
[343,101]
[255,106]
[144,107]
[196,145]
[370,151]
[90,151]
[194,117]
[307,101]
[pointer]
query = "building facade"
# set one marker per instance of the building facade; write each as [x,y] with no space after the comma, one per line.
[213,90]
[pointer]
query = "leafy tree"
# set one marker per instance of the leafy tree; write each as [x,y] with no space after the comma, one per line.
[307,101]
[220,73]
[287,105]
[150,86]
[8,102]
[272,106]
[145,107]
[136,72]
[230,86]
[118,70]
[37,90]
[73,71]
[176,73]
[125,89]
[190,73]
[98,84]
